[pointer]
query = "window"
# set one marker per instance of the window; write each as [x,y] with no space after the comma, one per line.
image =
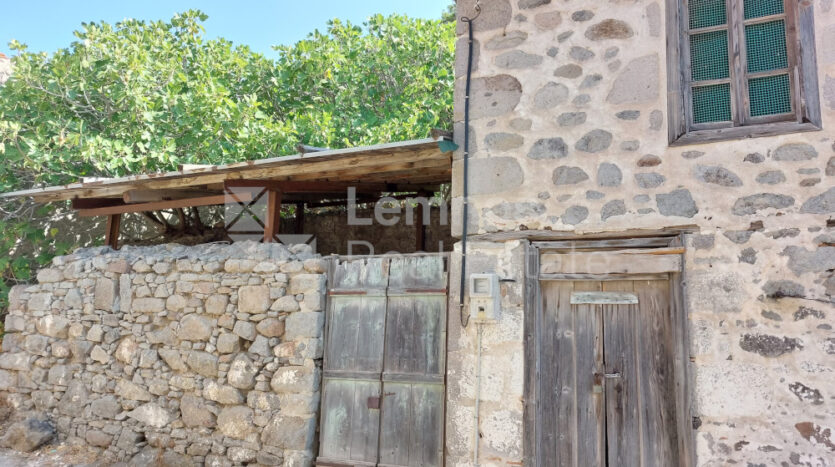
[741,68]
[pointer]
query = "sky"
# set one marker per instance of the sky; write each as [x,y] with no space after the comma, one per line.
[47,25]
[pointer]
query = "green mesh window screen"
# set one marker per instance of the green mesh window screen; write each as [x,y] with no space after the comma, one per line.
[712,103]
[770,95]
[760,8]
[709,55]
[766,46]
[707,13]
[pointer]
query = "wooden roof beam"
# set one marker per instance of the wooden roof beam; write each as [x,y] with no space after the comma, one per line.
[173,204]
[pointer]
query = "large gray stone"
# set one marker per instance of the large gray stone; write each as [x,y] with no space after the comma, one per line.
[195,413]
[612,209]
[202,363]
[769,346]
[830,167]
[132,391]
[295,379]
[715,292]
[104,294]
[609,174]
[492,96]
[285,432]
[609,29]
[254,299]
[638,82]
[151,415]
[235,422]
[173,359]
[29,434]
[503,141]
[771,177]
[571,119]
[517,59]
[649,180]
[754,203]
[53,326]
[565,175]
[550,96]
[106,407]
[676,203]
[569,71]
[495,14]
[594,141]
[270,327]
[795,152]
[802,260]
[304,324]
[507,40]
[548,148]
[226,395]
[575,214]
[245,330]
[716,175]
[242,372]
[194,327]
[548,20]
[526,4]
[126,350]
[8,380]
[518,211]
[783,288]
[74,399]
[821,204]
[581,54]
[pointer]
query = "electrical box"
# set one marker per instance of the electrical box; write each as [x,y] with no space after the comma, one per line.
[485,299]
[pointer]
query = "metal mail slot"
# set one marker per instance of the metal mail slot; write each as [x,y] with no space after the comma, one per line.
[603,298]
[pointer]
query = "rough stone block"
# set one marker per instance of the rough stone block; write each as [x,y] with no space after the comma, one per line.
[289,432]
[28,435]
[216,304]
[295,379]
[195,328]
[148,305]
[226,395]
[151,415]
[254,299]
[304,324]
[195,413]
[235,422]
[105,294]
[242,372]
[202,363]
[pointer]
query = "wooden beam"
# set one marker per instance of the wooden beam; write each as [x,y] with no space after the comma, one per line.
[111,234]
[90,203]
[310,187]
[420,229]
[273,223]
[150,196]
[160,205]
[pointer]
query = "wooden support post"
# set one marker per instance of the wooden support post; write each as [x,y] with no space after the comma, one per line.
[273,223]
[420,229]
[111,234]
[300,218]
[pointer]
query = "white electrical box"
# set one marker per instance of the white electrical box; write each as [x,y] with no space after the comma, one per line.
[485,299]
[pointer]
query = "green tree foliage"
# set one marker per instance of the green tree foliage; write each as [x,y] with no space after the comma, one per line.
[145,96]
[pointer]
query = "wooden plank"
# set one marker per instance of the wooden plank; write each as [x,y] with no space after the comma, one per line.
[349,428]
[411,431]
[355,340]
[558,369]
[158,206]
[552,235]
[414,339]
[609,263]
[273,221]
[681,367]
[90,203]
[590,411]
[805,45]
[654,346]
[602,277]
[418,272]
[603,298]
[150,196]
[605,244]
[111,234]
[532,325]
[622,409]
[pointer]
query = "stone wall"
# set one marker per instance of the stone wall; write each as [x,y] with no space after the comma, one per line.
[208,353]
[569,134]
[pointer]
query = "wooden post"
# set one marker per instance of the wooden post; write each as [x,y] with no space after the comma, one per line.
[300,218]
[273,223]
[111,233]
[420,230]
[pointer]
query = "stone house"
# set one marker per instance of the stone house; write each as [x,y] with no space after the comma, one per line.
[642,196]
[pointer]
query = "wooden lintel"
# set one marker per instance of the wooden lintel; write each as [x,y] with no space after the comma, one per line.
[160,205]
[273,216]
[309,187]
[150,196]
[111,233]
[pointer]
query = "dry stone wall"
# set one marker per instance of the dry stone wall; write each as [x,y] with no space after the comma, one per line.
[568,133]
[186,354]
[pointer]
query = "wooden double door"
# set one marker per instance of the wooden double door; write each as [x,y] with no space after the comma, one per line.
[607,386]
[384,366]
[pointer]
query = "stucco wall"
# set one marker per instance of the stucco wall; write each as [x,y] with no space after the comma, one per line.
[208,353]
[569,133]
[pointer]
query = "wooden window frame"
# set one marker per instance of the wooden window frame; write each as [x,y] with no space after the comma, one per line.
[800,42]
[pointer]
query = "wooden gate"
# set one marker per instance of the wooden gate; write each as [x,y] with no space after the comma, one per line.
[610,388]
[384,365]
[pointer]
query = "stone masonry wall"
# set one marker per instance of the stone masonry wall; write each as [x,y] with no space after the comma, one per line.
[190,354]
[569,133]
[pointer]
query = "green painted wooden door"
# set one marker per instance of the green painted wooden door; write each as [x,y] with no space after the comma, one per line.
[383,391]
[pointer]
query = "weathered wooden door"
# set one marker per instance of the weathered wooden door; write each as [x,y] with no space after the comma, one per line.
[383,388]
[606,374]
